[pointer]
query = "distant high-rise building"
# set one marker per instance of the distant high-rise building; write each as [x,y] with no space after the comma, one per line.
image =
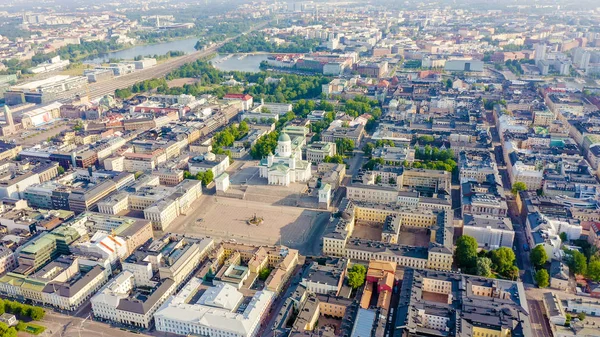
[540,52]
[581,58]
[8,116]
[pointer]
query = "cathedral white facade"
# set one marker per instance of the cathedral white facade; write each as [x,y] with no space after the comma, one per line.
[286,165]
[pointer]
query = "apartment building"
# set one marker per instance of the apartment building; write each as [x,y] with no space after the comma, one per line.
[479,301]
[7,260]
[372,193]
[354,133]
[326,279]
[317,151]
[160,204]
[121,301]
[64,283]
[476,166]
[433,180]
[169,177]
[483,198]
[174,256]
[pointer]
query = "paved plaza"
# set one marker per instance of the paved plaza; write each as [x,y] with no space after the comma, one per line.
[226,218]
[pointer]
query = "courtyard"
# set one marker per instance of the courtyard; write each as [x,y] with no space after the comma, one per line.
[409,236]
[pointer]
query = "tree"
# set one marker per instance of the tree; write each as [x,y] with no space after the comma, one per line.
[466,253]
[564,237]
[356,276]
[484,266]
[518,187]
[10,332]
[426,139]
[503,259]
[581,316]
[542,278]
[378,179]
[578,263]
[513,273]
[372,163]
[593,269]
[264,273]
[538,256]
[60,170]
[243,128]
[344,145]
[568,318]
[37,313]
[368,149]
[207,177]
[335,159]
[392,181]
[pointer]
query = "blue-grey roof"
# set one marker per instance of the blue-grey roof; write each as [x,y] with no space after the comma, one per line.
[363,324]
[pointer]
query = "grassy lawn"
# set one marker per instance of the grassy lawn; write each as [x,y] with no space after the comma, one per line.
[76,69]
[31,328]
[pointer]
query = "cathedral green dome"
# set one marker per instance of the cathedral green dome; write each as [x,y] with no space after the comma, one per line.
[283,137]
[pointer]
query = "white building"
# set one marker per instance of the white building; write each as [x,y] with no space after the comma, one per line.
[216,313]
[108,247]
[209,161]
[118,301]
[286,166]
[589,306]
[490,232]
[528,174]
[222,182]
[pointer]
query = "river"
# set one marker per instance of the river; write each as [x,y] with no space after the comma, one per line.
[186,46]
[237,62]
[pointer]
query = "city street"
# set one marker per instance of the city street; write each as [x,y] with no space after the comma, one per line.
[539,324]
[58,325]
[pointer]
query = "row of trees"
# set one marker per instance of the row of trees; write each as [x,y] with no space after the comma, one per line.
[230,134]
[337,159]
[140,87]
[361,105]
[168,55]
[579,264]
[265,145]
[74,52]
[538,258]
[344,146]
[21,310]
[289,87]
[433,158]
[500,261]
[433,153]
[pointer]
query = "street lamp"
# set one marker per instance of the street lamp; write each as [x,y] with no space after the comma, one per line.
[81,324]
